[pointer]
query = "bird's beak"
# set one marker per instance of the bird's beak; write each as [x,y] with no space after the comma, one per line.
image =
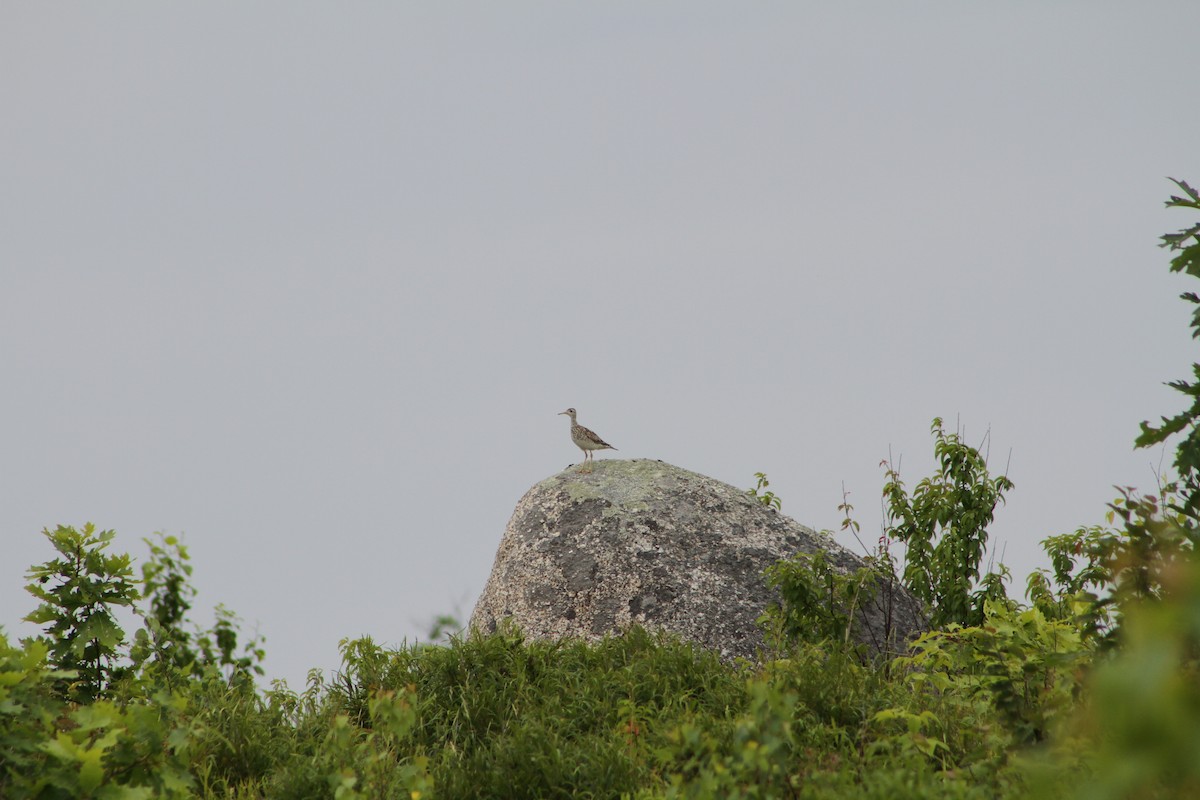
[560,413]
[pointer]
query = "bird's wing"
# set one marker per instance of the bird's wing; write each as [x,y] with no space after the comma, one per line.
[591,436]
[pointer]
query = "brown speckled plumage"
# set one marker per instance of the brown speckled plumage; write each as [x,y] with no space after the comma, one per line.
[585,439]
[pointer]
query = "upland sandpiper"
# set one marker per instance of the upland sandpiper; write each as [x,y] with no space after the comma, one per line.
[585,440]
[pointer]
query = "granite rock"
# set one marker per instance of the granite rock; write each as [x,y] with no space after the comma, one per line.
[644,542]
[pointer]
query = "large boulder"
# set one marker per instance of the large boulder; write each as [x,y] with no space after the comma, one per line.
[647,543]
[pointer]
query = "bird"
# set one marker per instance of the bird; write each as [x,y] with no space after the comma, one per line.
[585,440]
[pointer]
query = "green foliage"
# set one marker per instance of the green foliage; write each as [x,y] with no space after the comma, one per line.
[169,646]
[1024,666]
[219,648]
[838,693]
[1144,710]
[1135,732]
[1080,569]
[1155,538]
[444,627]
[750,759]
[1186,244]
[501,717]
[818,600]
[943,526]
[821,724]
[79,592]
[1098,571]
[54,748]
[163,646]
[29,706]
[372,761]
[101,719]
[639,715]
[165,582]
[768,499]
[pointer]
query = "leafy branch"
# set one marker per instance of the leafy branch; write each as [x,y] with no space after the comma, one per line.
[1186,244]
[768,499]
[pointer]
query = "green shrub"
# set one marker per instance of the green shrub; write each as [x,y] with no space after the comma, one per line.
[549,718]
[943,525]
[1185,244]
[1023,666]
[79,592]
[54,748]
[819,602]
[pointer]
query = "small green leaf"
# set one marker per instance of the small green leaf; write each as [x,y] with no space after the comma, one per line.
[91,773]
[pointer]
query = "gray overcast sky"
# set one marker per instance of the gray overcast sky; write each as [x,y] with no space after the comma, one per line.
[308,283]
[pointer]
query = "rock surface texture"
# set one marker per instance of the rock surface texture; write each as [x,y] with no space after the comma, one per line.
[644,542]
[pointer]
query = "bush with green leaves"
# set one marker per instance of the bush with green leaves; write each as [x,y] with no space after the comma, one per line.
[818,601]
[500,716]
[1135,730]
[1025,666]
[80,592]
[51,747]
[101,716]
[169,645]
[29,709]
[1185,244]
[943,526]
[1099,571]
[1075,586]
